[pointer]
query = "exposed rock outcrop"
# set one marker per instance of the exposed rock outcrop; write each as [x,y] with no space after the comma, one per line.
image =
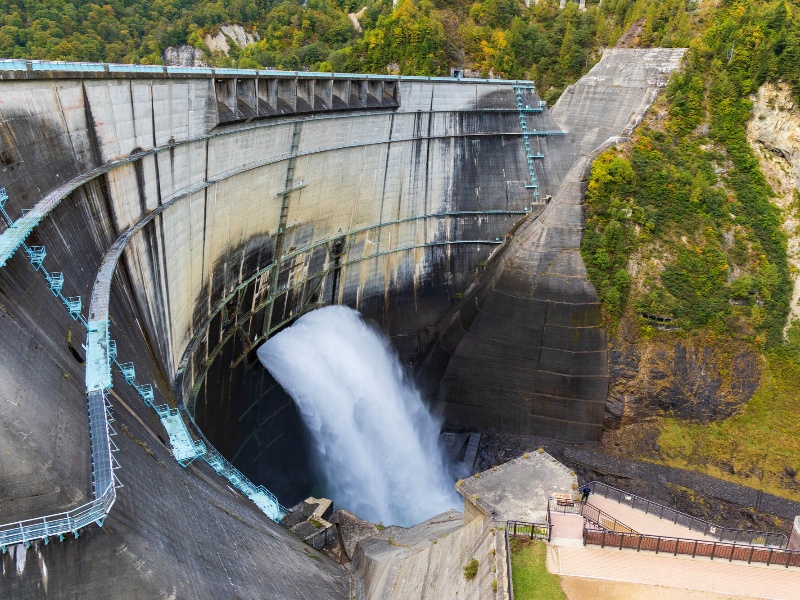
[681,376]
[221,41]
[774,134]
[183,55]
[355,18]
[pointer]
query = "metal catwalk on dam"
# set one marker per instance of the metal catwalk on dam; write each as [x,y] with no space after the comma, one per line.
[195,212]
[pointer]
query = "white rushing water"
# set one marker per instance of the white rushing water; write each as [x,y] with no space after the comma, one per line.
[376,441]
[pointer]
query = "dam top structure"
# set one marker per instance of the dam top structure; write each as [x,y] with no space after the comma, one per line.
[15,68]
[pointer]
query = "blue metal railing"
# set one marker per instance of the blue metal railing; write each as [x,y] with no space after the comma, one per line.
[87,67]
[98,380]
[60,524]
[104,481]
[57,65]
[530,155]
[13,64]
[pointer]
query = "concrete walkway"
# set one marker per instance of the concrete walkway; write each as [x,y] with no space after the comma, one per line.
[567,530]
[698,574]
[642,522]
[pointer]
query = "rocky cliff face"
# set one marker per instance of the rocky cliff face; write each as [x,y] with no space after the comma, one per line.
[688,377]
[183,55]
[227,34]
[774,134]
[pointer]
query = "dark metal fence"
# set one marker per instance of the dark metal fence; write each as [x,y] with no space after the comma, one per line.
[723,534]
[538,531]
[589,511]
[675,546]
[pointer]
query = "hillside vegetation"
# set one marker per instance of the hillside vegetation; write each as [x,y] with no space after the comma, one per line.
[684,241]
[503,38]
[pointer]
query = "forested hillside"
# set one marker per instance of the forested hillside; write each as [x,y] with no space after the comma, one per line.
[688,252]
[503,38]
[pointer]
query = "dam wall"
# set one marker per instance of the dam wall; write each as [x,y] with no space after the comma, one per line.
[198,227]
[526,351]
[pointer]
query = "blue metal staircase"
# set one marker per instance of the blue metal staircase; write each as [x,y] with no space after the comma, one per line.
[101,354]
[531,155]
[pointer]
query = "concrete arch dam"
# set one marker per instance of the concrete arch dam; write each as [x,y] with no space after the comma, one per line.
[181,216]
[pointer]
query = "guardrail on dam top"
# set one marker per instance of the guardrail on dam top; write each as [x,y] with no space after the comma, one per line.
[246,94]
[241,95]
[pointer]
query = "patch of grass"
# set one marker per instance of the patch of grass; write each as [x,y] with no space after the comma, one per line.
[757,444]
[529,574]
[471,569]
[380,526]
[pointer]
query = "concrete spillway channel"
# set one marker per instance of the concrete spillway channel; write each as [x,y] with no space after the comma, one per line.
[195,212]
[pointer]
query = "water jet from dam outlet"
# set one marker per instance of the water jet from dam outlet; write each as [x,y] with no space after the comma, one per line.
[376,441]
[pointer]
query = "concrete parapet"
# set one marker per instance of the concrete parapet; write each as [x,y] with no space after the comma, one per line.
[427,560]
[309,521]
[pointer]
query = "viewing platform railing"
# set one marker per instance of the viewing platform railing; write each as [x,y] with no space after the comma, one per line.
[723,534]
[590,512]
[693,548]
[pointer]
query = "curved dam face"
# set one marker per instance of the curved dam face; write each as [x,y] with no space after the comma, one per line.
[193,215]
[182,216]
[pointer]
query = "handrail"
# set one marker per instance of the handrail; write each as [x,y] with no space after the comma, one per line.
[616,524]
[59,524]
[687,546]
[57,66]
[582,508]
[723,534]
[520,529]
[100,430]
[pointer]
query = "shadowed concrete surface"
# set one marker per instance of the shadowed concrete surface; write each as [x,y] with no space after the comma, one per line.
[234,221]
[527,352]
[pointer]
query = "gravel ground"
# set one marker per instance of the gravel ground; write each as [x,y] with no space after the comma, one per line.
[580,588]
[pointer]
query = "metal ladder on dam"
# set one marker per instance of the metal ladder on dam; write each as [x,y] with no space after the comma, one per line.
[524,110]
[98,381]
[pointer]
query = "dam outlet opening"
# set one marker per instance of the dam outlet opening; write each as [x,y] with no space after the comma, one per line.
[376,444]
